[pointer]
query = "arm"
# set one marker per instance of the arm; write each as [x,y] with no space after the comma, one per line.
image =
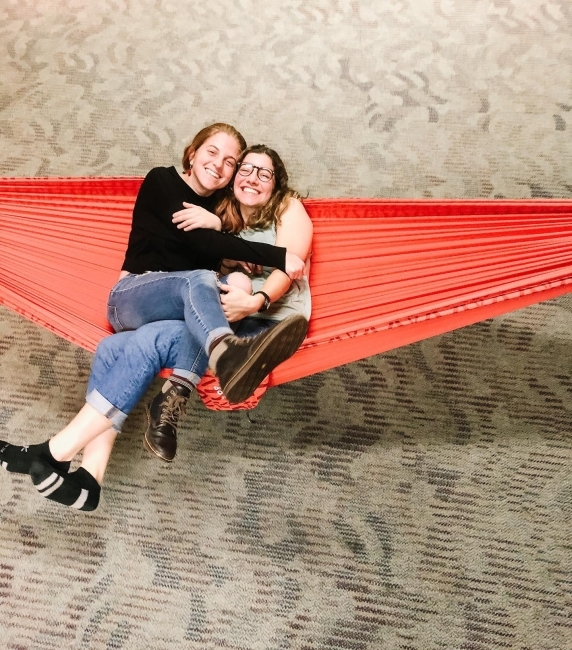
[193,217]
[162,194]
[221,244]
[295,233]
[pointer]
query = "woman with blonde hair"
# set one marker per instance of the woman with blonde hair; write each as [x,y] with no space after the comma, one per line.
[272,214]
[168,270]
[126,363]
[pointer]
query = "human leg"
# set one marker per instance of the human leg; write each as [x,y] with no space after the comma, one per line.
[238,279]
[59,450]
[242,363]
[18,458]
[123,367]
[240,366]
[164,411]
[87,425]
[48,463]
[80,489]
[96,454]
[168,405]
[192,296]
[125,364]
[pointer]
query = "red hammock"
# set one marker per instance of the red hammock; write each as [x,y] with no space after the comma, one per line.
[384,273]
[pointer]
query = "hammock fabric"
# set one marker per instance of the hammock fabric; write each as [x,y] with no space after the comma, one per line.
[385,273]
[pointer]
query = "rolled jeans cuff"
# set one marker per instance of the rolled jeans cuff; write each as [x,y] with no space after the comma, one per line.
[185,378]
[107,409]
[215,334]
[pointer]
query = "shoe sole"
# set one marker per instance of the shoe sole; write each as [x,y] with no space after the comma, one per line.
[148,445]
[284,339]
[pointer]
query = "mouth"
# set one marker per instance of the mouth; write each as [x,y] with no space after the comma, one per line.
[212,173]
[249,190]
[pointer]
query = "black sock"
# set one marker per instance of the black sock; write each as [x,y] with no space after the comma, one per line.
[18,458]
[77,489]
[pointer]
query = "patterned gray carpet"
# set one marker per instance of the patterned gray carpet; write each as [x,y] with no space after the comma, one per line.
[418,500]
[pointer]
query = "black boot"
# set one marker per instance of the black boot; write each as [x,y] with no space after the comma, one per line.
[242,363]
[163,417]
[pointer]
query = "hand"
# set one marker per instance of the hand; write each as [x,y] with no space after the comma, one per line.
[236,303]
[194,216]
[251,269]
[295,267]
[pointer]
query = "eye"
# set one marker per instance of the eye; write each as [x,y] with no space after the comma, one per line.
[230,163]
[212,152]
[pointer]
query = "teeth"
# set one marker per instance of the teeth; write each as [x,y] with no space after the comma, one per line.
[249,190]
[213,174]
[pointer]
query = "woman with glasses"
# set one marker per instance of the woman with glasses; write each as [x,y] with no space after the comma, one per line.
[126,363]
[168,272]
[272,214]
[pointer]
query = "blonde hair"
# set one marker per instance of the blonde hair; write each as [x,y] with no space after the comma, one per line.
[268,214]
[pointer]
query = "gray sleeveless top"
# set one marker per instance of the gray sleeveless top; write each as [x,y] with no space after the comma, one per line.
[296,300]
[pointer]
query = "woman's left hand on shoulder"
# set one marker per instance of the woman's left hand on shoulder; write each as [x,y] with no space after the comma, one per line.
[193,216]
[236,303]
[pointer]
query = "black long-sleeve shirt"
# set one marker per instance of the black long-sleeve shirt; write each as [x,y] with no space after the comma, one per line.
[156,244]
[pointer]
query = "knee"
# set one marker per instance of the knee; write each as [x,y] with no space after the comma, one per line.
[161,338]
[109,350]
[110,345]
[201,276]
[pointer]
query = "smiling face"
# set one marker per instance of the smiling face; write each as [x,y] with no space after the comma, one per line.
[213,163]
[249,190]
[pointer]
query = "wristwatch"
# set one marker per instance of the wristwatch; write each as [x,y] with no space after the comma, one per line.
[266,302]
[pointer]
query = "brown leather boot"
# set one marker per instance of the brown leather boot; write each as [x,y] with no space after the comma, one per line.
[163,417]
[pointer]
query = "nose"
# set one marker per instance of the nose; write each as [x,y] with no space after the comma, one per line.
[252,178]
[219,161]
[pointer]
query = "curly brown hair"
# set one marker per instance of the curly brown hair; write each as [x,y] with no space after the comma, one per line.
[268,214]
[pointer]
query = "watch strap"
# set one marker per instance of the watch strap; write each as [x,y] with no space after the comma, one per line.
[266,302]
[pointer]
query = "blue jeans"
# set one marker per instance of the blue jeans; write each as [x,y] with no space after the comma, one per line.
[192,296]
[125,364]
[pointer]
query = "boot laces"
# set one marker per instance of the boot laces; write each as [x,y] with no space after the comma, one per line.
[172,409]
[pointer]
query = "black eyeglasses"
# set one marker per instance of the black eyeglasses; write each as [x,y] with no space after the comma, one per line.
[264,174]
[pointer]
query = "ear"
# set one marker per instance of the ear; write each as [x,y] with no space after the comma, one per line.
[191,158]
